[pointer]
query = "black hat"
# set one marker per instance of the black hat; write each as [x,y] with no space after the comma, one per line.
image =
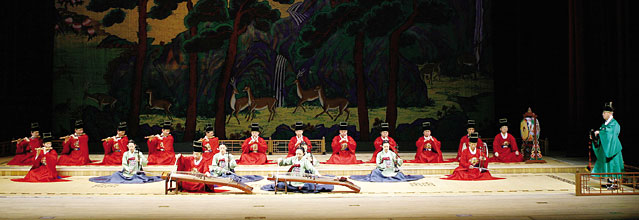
[473,137]
[46,137]
[471,123]
[255,127]
[608,107]
[166,125]
[208,127]
[197,146]
[384,126]
[35,126]
[299,126]
[343,125]
[79,124]
[426,126]
[503,122]
[122,126]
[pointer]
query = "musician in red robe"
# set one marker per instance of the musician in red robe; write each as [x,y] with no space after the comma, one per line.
[161,147]
[428,147]
[26,147]
[295,141]
[384,136]
[210,144]
[471,128]
[43,168]
[505,147]
[473,163]
[114,147]
[75,149]
[344,148]
[196,165]
[254,148]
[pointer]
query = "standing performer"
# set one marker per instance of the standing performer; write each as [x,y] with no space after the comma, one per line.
[473,163]
[43,168]
[75,149]
[384,136]
[608,149]
[196,165]
[114,147]
[161,147]
[209,144]
[295,141]
[428,147]
[471,128]
[26,147]
[254,148]
[505,147]
[344,148]
[133,162]
[387,168]
[223,166]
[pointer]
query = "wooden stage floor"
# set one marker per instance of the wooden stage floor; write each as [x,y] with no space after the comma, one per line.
[529,191]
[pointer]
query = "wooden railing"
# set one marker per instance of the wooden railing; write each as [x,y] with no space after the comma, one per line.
[275,146]
[594,184]
[544,144]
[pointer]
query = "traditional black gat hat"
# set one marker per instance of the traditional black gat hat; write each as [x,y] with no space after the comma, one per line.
[197,146]
[208,127]
[79,124]
[608,107]
[473,137]
[122,126]
[343,125]
[426,126]
[299,126]
[166,125]
[471,123]
[35,126]
[255,127]
[384,126]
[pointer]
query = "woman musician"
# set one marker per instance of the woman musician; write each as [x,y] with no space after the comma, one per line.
[299,166]
[387,168]
[223,165]
[133,162]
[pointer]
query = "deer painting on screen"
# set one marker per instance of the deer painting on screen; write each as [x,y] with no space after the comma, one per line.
[268,103]
[237,104]
[341,104]
[100,98]
[159,104]
[307,95]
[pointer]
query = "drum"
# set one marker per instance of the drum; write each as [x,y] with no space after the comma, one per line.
[526,129]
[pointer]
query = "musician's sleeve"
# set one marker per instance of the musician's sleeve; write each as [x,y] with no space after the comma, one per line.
[496,143]
[125,159]
[398,159]
[309,146]
[245,146]
[262,146]
[379,160]
[514,144]
[609,141]
[152,143]
[392,144]
[310,167]
[143,159]
[335,144]
[106,145]
[352,145]
[286,161]
[292,145]
[232,162]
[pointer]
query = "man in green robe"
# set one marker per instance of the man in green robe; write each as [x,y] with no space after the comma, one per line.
[608,149]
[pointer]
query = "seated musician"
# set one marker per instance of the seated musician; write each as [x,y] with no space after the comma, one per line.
[223,165]
[133,162]
[299,167]
[114,147]
[43,168]
[196,166]
[428,147]
[75,147]
[161,147]
[384,136]
[344,148]
[473,163]
[295,141]
[209,143]
[254,148]
[505,147]
[26,147]
[471,128]
[387,168]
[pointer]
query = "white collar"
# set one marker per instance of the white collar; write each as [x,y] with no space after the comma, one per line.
[197,161]
[608,120]
[504,135]
[300,138]
[427,138]
[254,138]
[384,138]
[473,151]
[346,138]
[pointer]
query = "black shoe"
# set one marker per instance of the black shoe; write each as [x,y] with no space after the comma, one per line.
[613,187]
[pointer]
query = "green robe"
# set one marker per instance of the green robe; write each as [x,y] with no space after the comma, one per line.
[130,168]
[388,167]
[609,153]
[305,165]
[218,167]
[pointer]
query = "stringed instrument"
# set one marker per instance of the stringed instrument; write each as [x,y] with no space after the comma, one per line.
[342,181]
[187,176]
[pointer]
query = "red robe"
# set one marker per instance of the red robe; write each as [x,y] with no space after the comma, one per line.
[40,172]
[213,143]
[293,146]
[423,155]
[463,172]
[506,153]
[25,152]
[113,155]
[75,151]
[340,156]
[249,157]
[161,151]
[378,145]
[187,163]
[465,141]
